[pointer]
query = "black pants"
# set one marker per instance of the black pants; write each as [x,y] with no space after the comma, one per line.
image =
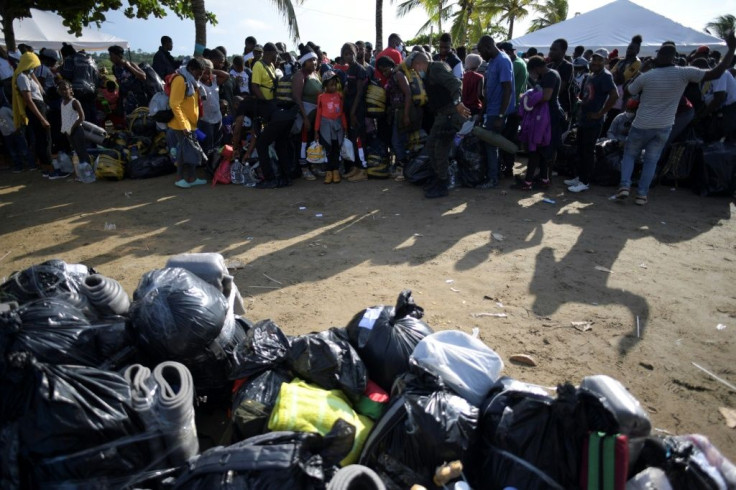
[587,136]
[79,143]
[511,133]
[277,132]
[41,136]
[87,101]
[447,123]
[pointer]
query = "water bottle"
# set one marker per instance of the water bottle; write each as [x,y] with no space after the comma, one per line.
[133,152]
[85,172]
[249,177]
[236,172]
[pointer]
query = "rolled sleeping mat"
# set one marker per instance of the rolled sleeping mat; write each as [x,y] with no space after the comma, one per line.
[143,396]
[175,407]
[93,133]
[356,477]
[495,139]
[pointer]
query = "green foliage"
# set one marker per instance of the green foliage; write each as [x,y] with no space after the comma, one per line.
[551,12]
[721,25]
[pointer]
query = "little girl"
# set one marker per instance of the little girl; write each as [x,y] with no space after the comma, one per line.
[72,117]
[330,125]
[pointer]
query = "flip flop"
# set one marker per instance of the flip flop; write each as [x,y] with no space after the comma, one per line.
[183,184]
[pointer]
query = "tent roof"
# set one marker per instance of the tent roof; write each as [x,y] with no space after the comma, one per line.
[613,25]
[44,29]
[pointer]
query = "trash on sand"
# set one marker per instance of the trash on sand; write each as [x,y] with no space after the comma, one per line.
[449,281]
[110,226]
[234,264]
[719,379]
[730,415]
[418,234]
[318,215]
[128,194]
[302,208]
[498,237]
[549,201]
[603,269]
[523,359]
[499,304]
[721,326]
[454,290]
[582,326]
[643,266]
[494,315]
[638,331]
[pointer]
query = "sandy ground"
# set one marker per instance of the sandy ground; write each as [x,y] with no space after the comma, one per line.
[311,256]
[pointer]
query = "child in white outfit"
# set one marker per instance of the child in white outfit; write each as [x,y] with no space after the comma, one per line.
[72,117]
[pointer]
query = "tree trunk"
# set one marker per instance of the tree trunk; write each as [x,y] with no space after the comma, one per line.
[511,27]
[9,32]
[200,27]
[379,26]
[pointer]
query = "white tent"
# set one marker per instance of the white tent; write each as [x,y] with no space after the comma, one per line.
[613,25]
[44,29]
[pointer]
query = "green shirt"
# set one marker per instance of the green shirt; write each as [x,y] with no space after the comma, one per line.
[520,77]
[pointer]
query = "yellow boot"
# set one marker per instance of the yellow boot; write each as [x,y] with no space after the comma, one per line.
[336,177]
[328,177]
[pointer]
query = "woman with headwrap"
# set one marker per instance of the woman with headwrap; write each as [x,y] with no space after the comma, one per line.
[29,109]
[305,88]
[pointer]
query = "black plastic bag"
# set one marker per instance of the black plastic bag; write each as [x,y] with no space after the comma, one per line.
[385,338]
[544,431]
[418,170]
[471,161]
[254,401]
[607,170]
[502,469]
[176,315]
[424,427]
[328,360]
[9,463]
[716,174]
[148,166]
[50,279]
[273,461]
[264,347]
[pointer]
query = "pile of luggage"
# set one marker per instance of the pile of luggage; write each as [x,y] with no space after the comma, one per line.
[98,390]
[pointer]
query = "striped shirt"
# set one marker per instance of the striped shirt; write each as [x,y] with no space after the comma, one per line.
[661,89]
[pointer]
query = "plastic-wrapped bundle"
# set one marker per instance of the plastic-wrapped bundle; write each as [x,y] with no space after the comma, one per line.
[425,426]
[385,337]
[106,295]
[253,402]
[277,460]
[264,347]
[53,278]
[57,332]
[175,410]
[465,364]
[175,314]
[328,360]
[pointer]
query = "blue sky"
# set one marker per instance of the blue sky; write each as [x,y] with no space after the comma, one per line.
[330,23]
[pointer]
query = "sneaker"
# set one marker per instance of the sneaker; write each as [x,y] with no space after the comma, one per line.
[198,182]
[359,176]
[45,174]
[182,184]
[571,182]
[579,187]
[307,174]
[640,200]
[58,174]
[33,169]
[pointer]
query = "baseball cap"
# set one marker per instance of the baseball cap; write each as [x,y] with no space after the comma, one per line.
[506,46]
[580,62]
[602,52]
[258,47]
[270,47]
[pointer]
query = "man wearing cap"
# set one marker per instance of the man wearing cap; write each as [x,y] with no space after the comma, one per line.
[661,89]
[447,55]
[597,97]
[393,51]
[256,55]
[511,129]
[500,100]
[264,73]
[719,96]
[444,92]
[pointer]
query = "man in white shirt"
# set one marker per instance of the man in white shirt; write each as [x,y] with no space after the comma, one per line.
[719,95]
[661,89]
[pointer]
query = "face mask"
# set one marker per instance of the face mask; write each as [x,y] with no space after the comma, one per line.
[422,73]
[400,47]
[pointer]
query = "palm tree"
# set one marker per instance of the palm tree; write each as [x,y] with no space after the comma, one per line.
[721,25]
[551,12]
[379,26]
[512,10]
[437,11]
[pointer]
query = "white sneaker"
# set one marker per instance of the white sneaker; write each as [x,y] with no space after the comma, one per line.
[570,182]
[578,188]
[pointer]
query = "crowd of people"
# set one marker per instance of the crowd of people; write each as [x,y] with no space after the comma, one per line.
[271,99]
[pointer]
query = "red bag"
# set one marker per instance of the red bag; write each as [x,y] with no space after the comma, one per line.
[222,174]
[605,462]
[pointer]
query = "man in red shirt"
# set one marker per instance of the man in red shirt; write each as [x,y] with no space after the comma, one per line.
[393,51]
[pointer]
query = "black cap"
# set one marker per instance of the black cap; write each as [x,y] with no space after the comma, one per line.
[270,47]
[506,46]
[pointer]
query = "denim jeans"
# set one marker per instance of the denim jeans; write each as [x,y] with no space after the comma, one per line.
[492,151]
[650,140]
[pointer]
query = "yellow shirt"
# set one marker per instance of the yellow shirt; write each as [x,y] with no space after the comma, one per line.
[185,109]
[264,78]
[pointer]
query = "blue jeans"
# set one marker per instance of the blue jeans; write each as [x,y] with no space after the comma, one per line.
[650,140]
[492,151]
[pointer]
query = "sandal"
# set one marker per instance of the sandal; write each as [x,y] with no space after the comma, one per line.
[622,193]
[526,186]
[640,200]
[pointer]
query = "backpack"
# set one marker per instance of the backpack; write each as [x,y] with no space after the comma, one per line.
[418,92]
[84,74]
[283,91]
